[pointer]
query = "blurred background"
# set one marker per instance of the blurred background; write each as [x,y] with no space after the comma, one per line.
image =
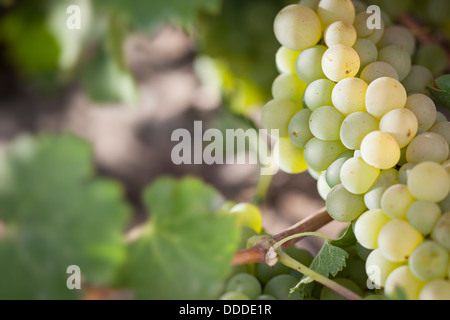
[137,70]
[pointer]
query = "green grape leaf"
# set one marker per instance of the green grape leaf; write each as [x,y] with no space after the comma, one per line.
[147,16]
[53,214]
[347,239]
[440,91]
[328,262]
[186,248]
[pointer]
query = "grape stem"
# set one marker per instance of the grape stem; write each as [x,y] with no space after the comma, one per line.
[294,264]
[257,253]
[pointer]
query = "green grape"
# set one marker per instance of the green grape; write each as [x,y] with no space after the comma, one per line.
[441,231]
[310,3]
[247,215]
[325,123]
[288,87]
[265,297]
[333,173]
[246,233]
[443,129]
[424,109]
[285,60]
[403,279]
[280,286]
[297,17]
[357,176]
[362,28]
[398,58]
[340,62]
[233,296]
[398,239]
[429,181]
[378,69]
[318,94]
[440,117]
[349,95]
[309,64]
[383,95]
[276,115]
[378,268]
[320,154]
[400,36]
[355,127]
[357,272]
[368,226]
[340,32]
[445,204]
[436,290]
[314,174]
[329,294]
[404,171]
[428,146]
[362,252]
[359,6]
[298,128]
[429,261]
[401,124]
[423,216]
[244,283]
[367,51]
[433,57]
[322,186]
[344,206]
[396,201]
[380,150]
[438,11]
[418,79]
[387,178]
[335,10]
[301,255]
[289,157]
[264,273]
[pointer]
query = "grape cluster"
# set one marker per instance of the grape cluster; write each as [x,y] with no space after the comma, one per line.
[351,106]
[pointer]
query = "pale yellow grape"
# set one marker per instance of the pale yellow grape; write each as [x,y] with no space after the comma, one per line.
[310,3]
[443,129]
[336,10]
[400,36]
[298,128]
[423,216]
[344,206]
[378,267]
[380,150]
[309,64]
[290,158]
[355,127]
[418,79]
[349,95]
[387,178]
[288,86]
[424,109]
[247,215]
[383,95]
[357,176]
[333,172]
[396,200]
[398,239]
[429,181]
[325,123]
[285,60]
[340,62]
[322,186]
[318,94]
[276,115]
[398,58]
[297,27]
[404,171]
[340,32]
[428,146]
[376,70]
[368,226]
[366,50]
[441,231]
[436,290]
[403,279]
[401,124]
[429,261]
[364,31]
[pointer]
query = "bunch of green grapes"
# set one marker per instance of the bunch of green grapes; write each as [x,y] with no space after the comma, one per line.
[351,107]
